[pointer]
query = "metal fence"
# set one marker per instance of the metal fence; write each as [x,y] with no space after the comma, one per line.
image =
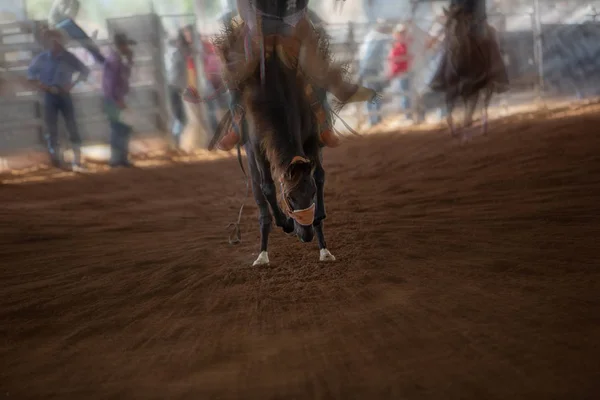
[551,52]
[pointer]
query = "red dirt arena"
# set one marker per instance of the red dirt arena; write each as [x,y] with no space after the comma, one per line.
[464,272]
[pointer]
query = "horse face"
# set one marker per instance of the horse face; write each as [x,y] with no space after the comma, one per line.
[299,192]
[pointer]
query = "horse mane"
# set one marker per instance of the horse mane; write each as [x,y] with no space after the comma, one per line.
[224,40]
[281,110]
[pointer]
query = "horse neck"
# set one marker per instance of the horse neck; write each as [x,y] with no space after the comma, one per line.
[285,140]
[281,147]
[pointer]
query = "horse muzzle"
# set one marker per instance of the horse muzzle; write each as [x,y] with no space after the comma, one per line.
[304,217]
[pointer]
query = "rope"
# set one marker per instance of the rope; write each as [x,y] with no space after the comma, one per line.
[235,237]
[344,122]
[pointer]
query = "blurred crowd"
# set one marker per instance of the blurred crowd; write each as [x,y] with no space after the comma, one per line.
[385,64]
[189,54]
[57,70]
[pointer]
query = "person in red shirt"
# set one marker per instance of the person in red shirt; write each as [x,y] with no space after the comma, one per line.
[398,67]
[213,73]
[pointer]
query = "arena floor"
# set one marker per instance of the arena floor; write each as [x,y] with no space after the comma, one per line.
[464,272]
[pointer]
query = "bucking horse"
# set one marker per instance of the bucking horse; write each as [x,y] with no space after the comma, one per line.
[471,64]
[284,118]
[283,150]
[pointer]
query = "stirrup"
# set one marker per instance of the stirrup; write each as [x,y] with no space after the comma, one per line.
[237,117]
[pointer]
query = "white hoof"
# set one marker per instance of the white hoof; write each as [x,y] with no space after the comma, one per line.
[325,255]
[263,259]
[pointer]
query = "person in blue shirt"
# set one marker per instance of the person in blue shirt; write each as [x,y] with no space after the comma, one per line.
[52,73]
[372,57]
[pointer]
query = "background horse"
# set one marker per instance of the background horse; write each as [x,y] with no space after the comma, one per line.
[471,65]
[282,145]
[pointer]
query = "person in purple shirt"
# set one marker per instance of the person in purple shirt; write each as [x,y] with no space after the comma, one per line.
[115,86]
[52,73]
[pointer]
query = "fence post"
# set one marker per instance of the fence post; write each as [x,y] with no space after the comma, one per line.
[414,97]
[538,52]
[162,87]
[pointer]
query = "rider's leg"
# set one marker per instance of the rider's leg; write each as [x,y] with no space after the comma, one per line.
[233,136]
[318,69]
[319,106]
[327,134]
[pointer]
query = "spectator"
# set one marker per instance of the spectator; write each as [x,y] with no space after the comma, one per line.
[212,71]
[399,68]
[61,10]
[52,72]
[211,63]
[372,56]
[115,85]
[436,37]
[192,73]
[178,80]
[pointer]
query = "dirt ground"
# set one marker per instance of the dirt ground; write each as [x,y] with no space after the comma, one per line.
[464,272]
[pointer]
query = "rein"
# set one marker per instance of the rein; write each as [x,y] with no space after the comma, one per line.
[235,236]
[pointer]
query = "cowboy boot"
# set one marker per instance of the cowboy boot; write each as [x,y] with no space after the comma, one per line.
[329,138]
[233,136]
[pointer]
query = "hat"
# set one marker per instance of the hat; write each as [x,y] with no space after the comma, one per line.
[400,28]
[121,38]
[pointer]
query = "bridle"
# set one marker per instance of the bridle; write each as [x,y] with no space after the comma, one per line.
[306,216]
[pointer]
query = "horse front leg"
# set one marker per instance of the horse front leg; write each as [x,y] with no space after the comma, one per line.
[269,191]
[264,215]
[450,101]
[324,253]
[486,104]
[281,219]
[470,105]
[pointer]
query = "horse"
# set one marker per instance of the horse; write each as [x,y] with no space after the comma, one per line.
[281,143]
[471,66]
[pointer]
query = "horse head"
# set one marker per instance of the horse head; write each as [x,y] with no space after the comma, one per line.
[298,190]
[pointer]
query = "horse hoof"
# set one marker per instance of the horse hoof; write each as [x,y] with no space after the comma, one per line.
[263,259]
[325,255]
